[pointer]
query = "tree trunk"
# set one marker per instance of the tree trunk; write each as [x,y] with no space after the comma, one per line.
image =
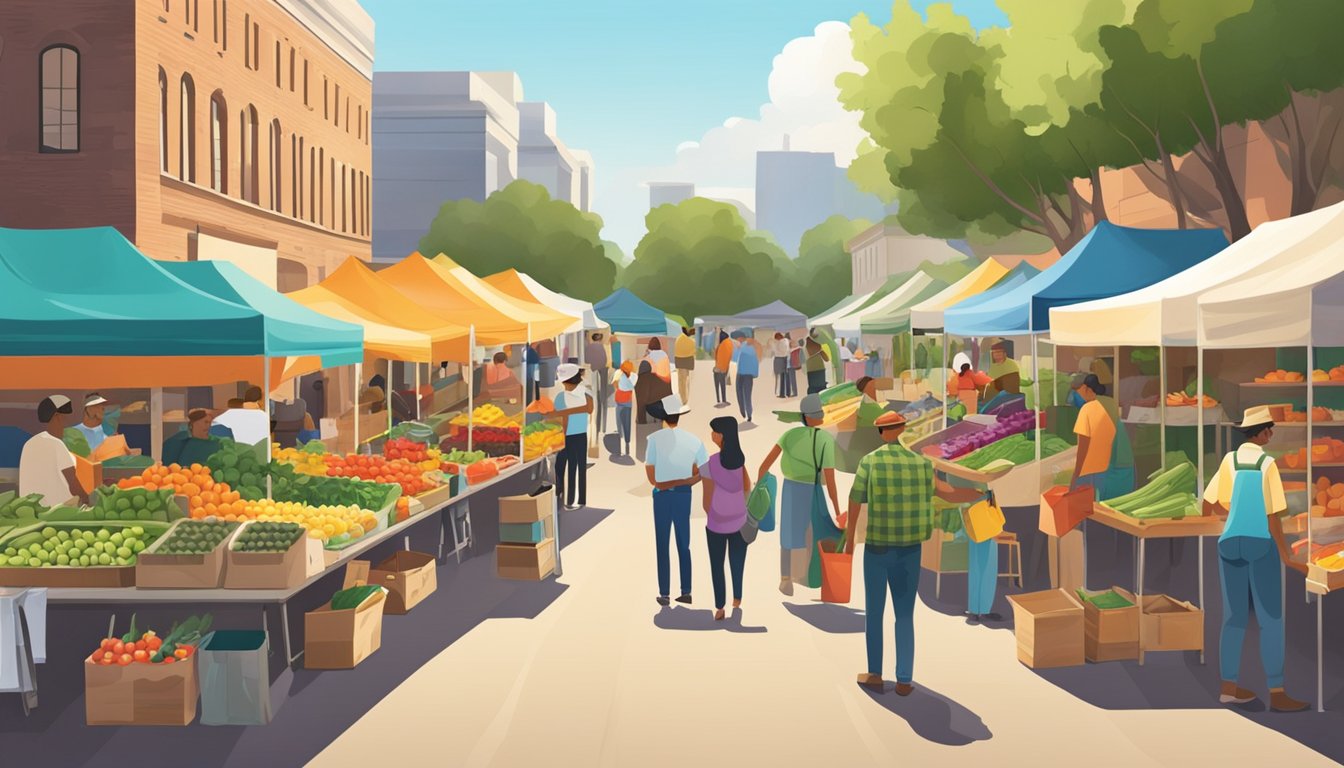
[1173,183]
[1098,201]
[1238,224]
[1303,191]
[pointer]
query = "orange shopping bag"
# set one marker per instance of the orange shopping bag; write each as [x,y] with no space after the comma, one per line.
[1062,510]
[837,569]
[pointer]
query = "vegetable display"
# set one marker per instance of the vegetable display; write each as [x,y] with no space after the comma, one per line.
[353,597]
[148,648]
[1017,449]
[464,457]
[487,415]
[1006,426]
[1168,495]
[1329,499]
[82,547]
[379,469]
[196,537]
[1324,450]
[16,509]
[240,467]
[115,503]
[541,438]
[268,537]
[1105,601]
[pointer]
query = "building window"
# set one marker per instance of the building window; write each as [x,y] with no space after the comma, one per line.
[298,183]
[293,175]
[219,143]
[248,162]
[277,64]
[291,70]
[214,14]
[326,104]
[359,220]
[305,82]
[247,40]
[224,23]
[163,121]
[256,46]
[359,121]
[336,103]
[320,193]
[277,169]
[194,14]
[334,209]
[354,203]
[186,132]
[312,184]
[347,114]
[59,107]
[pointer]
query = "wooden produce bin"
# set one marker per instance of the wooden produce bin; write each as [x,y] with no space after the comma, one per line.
[272,570]
[408,577]
[141,694]
[1168,624]
[182,571]
[1049,629]
[69,576]
[1113,634]
[342,639]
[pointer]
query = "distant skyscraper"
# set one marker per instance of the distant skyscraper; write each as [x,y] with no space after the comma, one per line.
[543,158]
[796,191]
[669,192]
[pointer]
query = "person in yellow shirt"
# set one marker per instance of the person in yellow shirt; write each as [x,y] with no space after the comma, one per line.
[683,354]
[1096,435]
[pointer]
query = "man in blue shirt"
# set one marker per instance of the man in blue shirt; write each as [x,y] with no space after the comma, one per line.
[573,406]
[748,356]
[672,461]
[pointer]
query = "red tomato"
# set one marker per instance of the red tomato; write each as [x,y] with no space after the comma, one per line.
[118,648]
[124,659]
[141,656]
[154,643]
[168,659]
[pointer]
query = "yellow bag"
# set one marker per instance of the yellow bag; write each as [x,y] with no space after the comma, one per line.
[984,520]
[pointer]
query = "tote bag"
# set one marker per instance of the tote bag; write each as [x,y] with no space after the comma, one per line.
[823,527]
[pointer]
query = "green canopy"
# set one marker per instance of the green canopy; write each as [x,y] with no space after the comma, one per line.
[291,329]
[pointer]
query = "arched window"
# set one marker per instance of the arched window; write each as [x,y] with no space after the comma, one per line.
[59,104]
[219,143]
[321,187]
[334,180]
[276,168]
[248,162]
[293,174]
[186,131]
[298,183]
[344,206]
[163,121]
[312,183]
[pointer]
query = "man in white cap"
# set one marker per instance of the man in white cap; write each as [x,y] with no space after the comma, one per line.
[673,460]
[92,425]
[1251,553]
[46,466]
[573,406]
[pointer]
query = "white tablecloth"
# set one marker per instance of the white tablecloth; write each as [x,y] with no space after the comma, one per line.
[14,673]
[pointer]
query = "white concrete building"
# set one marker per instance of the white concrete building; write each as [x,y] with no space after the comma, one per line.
[886,249]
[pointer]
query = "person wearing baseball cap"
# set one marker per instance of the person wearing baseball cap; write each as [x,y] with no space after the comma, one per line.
[92,425]
[898,486]
[573,407]
[808,463]
[46,466]
[672,461]
[1251,554]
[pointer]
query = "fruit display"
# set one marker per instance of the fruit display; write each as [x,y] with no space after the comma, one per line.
[542,404]
[1180,400]
[268,537]
[487,415]
[17,510]
[423,455]
[240,467]
[1334,374]
[1006,426]
[1169,494]
[542,438]
[1014,448]
[1330,558]
[205,496]
[78,546]
[1281,376]
[195,537]
[1329,499]
[148,648]
[381,470]
[333,525]
[114,503]
[464,457]
[304,460]
[1324,451]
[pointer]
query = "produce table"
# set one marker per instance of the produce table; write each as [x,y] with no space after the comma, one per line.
[1319,584]
[132,596]
[1143,530]
[1016,486]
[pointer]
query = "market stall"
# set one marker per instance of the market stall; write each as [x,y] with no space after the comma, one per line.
[775,316]
[522,286]
[1286,317]
[626,313]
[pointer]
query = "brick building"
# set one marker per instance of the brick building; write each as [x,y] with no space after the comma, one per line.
[210,129]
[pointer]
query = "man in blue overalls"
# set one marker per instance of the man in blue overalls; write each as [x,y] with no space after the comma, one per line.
[1251,551]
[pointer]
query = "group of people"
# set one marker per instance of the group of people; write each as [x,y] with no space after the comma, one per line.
[743,351]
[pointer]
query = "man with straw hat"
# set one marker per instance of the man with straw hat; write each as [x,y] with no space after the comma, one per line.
[898,486]
[1251,552]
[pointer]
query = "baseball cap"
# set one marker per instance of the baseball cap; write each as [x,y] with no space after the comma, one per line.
[673,406]
[52,405]
[93,398]
[811,407]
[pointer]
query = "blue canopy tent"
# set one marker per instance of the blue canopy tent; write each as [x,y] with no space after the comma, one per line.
[627,313]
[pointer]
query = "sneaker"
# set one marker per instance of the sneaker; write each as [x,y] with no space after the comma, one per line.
[786,587]
[972,619]
[872,682]
[663,601]
[990,617]
[1282,702]
[1231,693]
[685,599]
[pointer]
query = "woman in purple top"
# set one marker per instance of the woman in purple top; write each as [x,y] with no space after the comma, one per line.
[726,486]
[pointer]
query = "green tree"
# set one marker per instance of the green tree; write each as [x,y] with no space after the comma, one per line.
[823,272]
[521,227]
[698,258]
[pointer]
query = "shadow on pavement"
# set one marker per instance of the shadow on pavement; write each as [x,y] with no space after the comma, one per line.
[574,523]
[933,716]
[702,620]
[829,617]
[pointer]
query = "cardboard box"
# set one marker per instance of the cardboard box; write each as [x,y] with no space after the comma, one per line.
[1111,635]
[141,694]
[1049,629]
[1168,624]
[526,533]
[526,509]
[409,577]
[271,570]
[532,562]
[182,571]
[342,639]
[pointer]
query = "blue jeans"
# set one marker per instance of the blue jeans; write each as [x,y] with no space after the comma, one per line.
[895,569]
[744,386]
[672,511]
[1249,569]
[623,411]
[983,578]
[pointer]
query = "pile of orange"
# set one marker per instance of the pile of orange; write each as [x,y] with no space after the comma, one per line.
[1324,450]
[379,470]
[205,497]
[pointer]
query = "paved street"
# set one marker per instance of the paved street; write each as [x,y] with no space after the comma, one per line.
[603,676]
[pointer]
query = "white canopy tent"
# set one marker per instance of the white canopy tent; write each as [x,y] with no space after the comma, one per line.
[570,306]
[849,305]
[851,323]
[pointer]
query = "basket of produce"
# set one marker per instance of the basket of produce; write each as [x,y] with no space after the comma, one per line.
[144,679]
[190,555]
[1168,495]
[75,554]
[269,555]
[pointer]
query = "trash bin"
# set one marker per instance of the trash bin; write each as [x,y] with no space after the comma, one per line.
[235,678]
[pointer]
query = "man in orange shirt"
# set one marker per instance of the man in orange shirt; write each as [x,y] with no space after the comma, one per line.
[1096,435]
[723,359]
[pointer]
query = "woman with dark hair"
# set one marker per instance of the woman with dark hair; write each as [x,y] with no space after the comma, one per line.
[725,499]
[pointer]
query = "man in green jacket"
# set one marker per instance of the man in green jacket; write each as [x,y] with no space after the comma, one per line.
[194,445]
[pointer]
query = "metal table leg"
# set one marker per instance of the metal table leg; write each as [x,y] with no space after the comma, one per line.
[1138,588]
[1199,542]
[284,628]
[266,630]
[1320,654]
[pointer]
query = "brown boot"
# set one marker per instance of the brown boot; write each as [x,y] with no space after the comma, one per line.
[1282,702]
[1232,693]
[904,689]
[872,682]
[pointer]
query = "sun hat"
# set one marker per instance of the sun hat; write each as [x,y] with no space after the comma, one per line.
[93,398]
[566,371]
[673,406]
[1254,417]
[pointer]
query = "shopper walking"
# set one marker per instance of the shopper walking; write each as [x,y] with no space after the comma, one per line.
[662,364]
[748,369]
[898,486]
[1251,553]
[595,357]
[726,484]
[723,360]
[796,353]
[683,351]
[808,462]
[816,356]
[672,464]
[573,406]
[625,401]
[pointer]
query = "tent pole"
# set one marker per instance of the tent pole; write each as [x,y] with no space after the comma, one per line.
[1199,412]
[387,395]
[1162,404]
[266,408]
[156,423]
[1036,394]
[946,400]
[417,391]
[471,382]
[359,376]
[521,453]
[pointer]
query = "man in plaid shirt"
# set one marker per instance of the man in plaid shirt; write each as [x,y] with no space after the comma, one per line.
[898,486]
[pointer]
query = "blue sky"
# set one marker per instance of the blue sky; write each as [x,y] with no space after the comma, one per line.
[629,79]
